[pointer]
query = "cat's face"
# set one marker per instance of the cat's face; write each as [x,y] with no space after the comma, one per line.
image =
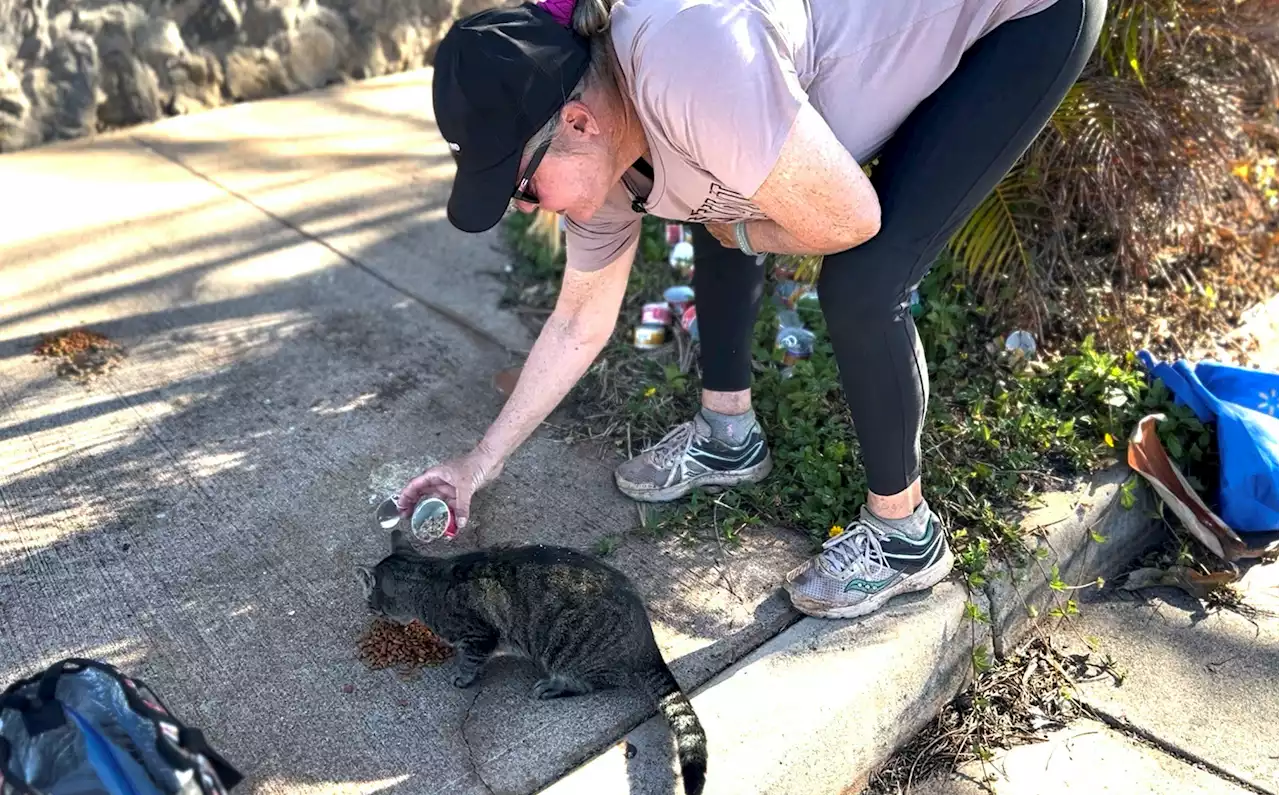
[381,597]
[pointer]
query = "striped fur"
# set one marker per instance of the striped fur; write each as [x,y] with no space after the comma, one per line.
[579,620]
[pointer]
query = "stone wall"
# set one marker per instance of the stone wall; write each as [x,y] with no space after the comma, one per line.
[69,68]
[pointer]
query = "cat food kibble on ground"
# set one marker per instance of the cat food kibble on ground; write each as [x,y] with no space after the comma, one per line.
[386,644]
[82,354]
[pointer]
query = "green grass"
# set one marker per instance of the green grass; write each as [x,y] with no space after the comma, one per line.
[999,430]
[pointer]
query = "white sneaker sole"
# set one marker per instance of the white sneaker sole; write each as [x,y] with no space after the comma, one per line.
[920,581]
[707,480]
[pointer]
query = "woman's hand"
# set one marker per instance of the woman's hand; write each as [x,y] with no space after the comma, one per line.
[455,481]
[723,233]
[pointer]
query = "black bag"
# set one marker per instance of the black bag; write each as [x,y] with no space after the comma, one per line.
[83,728]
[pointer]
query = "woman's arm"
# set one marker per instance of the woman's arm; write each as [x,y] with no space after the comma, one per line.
[817,197]
[575,333]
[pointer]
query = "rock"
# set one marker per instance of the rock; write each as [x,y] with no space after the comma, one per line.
[18,128]
[316,49]
[67,89]
[212,20]
[264,20]
[60,23]
[394,35]
[32,27]
[255,73]
[68,67]
[197,80]
[159,42]
[132,89]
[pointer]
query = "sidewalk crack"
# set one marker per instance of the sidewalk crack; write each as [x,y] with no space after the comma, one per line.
[475,768]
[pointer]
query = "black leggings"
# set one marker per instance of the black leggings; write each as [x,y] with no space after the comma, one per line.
[947,156]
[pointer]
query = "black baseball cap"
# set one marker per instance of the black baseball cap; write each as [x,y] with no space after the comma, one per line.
[500,75]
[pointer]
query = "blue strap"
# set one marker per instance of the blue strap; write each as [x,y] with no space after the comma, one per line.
[119,772]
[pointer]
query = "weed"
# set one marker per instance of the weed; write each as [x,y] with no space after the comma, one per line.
[999,429]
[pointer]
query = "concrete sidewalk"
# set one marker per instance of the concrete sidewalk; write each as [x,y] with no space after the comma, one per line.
[1195,711]
[304,331]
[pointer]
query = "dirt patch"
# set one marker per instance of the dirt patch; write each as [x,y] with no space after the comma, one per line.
[396,386]
[386,644]
[1019,701]
[81,354]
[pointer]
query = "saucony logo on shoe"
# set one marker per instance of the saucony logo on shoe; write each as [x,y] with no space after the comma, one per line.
[869,586]
[722,458]
[910,556]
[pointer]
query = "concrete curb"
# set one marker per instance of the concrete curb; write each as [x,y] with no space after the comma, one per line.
[1060,533]
[819,707]
[812,710]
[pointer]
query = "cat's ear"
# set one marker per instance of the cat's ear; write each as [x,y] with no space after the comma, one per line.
[366,577]
[400,542]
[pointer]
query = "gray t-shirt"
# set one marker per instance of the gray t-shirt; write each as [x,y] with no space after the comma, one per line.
[717,85]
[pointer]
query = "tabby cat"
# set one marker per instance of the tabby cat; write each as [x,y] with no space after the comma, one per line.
[579,620]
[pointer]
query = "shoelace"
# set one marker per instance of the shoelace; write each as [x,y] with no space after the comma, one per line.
[854,550]
[675,444]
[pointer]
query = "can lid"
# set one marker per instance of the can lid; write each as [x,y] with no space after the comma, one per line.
[388,513]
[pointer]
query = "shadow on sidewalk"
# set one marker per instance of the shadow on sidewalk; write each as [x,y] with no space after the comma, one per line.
[195,514]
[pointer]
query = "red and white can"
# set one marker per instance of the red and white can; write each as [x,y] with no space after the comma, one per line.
[658,312]
[432,518]
[690,314]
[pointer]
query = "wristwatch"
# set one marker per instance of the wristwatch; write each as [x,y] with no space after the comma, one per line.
[740,234]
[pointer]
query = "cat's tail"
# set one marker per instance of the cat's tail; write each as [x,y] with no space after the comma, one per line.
[691,740]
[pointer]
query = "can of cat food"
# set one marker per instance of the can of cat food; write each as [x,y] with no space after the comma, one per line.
[688,317]
[648,336]
[432,519]
[796,344]
[681,258]
[675,233]
[679,297]
[655,313]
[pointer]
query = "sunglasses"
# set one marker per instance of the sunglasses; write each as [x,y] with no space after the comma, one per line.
[522,194]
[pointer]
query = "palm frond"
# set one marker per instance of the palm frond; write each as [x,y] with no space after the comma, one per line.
[996,242]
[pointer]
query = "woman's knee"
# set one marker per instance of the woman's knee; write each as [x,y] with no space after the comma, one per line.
[866,292]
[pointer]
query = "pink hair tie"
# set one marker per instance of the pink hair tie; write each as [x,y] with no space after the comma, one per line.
[560,10]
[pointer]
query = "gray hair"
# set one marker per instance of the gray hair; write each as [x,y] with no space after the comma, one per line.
[591,20]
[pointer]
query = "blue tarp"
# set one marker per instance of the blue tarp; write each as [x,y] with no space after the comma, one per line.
[1244,405]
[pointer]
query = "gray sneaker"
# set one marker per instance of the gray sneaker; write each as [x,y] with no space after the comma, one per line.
[864,567]
[688,458]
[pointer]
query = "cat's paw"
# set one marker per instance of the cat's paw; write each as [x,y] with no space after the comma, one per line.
[552,687]
[463,681]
